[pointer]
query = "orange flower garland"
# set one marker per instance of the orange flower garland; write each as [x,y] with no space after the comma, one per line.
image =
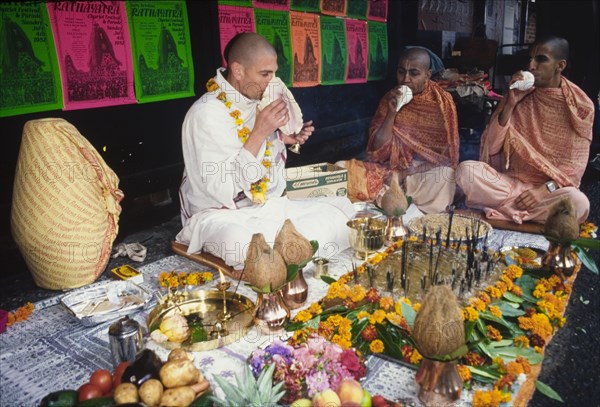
[21,314]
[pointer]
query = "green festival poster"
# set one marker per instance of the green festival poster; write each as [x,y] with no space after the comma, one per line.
[29,72]
[310,6]
[162,54]
[275,27]
[334,51]
[358,9]
[378,50]
[237,3]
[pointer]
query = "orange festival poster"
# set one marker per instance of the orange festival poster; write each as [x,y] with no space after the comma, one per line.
[306,48]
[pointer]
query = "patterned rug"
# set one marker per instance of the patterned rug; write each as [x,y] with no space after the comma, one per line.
[53,351]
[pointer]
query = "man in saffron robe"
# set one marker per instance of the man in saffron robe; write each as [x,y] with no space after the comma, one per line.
[234,149]
[535,149]
[420,141]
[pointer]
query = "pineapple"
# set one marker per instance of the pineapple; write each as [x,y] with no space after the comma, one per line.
[249,391]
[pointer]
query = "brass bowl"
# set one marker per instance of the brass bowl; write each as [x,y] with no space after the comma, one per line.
[366,235]
[209,306]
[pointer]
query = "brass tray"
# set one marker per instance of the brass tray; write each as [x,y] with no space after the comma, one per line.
[209,306]
[436,221]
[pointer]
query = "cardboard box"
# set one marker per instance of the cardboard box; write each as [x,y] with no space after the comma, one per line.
[316,180]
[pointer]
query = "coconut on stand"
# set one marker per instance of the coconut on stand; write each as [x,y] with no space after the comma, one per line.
[439,335]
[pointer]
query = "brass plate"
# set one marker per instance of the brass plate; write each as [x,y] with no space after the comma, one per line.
[208,305]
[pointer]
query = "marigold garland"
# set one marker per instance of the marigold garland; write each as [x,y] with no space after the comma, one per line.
[258,189]
[176,279]
[21,314]
[538,323]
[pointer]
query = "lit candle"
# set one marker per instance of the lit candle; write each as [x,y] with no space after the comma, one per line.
[221,277]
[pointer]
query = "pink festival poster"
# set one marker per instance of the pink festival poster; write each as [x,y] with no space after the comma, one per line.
[233,21]
[280,5]
[94,53]
[358,51]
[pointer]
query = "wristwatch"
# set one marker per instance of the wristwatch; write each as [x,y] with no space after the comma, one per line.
[551,186]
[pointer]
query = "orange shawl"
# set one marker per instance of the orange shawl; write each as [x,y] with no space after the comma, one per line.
[426,127]
[549,135]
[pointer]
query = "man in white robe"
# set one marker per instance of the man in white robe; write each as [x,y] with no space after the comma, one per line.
[235,153]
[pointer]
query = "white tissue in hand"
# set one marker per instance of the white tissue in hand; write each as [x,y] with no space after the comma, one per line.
[405,97]
[276,89]
[525,83]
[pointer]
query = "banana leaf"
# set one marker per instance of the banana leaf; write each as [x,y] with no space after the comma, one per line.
[548,391]
[586,259]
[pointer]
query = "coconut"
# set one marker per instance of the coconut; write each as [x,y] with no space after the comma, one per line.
[264,266]
[293,247]
[439,328]
[394,202]
[561,223]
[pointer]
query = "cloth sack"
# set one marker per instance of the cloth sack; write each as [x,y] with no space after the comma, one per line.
[65,206]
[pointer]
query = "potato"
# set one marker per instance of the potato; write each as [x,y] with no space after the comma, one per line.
[151,392]
[179,353]
[178,397]
[179,372]
[126,393]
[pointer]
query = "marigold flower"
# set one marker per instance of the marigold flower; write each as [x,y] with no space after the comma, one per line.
[495,311]
[369,333]
[464,372]
[484,297]
[539,291]
[493,333]
[376,346]
[416,306]
[538,324]
[516,290]
[539,349]
[514,368]
[235,114]
[21,314]
[524,363]
[521,341]
[372,295]
[477,304]
[303,316]
[474,359]
[315,308]
[394,318]
[386,302]
[377,317]
[469,314]
[335,319]
[358,293]
[494,292]
[362,314]
[513,272]
[415,357]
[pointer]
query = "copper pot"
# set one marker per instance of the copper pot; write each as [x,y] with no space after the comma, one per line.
[271,313]
[295,292]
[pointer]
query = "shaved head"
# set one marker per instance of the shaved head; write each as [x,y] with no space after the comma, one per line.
[246,47]
[559,46]
[418,55]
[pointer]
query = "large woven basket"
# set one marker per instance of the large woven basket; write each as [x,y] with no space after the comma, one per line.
[65,207]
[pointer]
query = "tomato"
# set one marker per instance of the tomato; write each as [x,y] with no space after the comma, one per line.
[118,374]
[102,379]
[89,391]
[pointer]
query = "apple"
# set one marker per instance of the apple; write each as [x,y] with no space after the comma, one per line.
[301,403]
[326,398]
[379,401]
[351,393]
[366,400]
